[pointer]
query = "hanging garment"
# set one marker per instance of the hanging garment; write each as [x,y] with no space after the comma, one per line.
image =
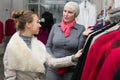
[110,65]
[91,59]
[117,74]
[43,36]
[103,52]
[1,32]
[9,30]
[79,68]
[87,15]
[116,3]
[9,27]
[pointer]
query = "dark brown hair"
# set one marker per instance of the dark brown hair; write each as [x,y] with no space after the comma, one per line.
[22,17]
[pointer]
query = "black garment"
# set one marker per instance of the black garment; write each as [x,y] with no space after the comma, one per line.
[49,21]
[117,74]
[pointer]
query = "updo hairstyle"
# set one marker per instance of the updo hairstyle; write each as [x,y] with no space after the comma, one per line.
[21,18]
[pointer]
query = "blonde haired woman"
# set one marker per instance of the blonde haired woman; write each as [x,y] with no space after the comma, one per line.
[25,56]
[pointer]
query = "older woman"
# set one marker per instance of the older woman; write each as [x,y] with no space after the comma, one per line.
[25,56]
[65,39]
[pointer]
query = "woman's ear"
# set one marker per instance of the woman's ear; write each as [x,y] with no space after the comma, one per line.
[28,25]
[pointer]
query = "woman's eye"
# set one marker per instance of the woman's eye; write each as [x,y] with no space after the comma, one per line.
[38,21]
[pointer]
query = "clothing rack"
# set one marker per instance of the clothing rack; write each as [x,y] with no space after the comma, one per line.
[104,11]
[114,17]
[115,10]
[103,19]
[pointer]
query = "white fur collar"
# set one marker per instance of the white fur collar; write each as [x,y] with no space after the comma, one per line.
[20,57]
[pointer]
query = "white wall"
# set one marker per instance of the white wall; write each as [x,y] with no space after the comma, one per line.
[1,10]
[6,9]
[6,6]
[18,4]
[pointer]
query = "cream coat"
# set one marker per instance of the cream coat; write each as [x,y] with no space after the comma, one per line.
[22,63]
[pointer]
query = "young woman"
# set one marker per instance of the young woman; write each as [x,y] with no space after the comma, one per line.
[25,56]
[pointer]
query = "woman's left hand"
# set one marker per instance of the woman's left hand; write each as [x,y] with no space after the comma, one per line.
[86,32]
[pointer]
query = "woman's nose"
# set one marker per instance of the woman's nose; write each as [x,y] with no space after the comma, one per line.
[40,25]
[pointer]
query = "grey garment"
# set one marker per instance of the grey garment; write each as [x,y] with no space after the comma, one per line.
[7,38]
[59,46]
[27,40]
[52,75]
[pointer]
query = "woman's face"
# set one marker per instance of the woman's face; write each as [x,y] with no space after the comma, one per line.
[35,25]
[68,14]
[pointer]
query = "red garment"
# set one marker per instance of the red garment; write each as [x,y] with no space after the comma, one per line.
[61,71]
[43,36]
[9,27]
[102,55]
[92,56]
[1,32]
[110,65]
[67,27]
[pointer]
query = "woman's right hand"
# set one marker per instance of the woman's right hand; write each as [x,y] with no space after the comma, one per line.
[78,54]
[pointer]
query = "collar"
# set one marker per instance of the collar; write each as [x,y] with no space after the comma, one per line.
[75,26]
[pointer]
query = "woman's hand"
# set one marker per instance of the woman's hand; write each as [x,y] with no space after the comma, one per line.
[78,54]
[86,32]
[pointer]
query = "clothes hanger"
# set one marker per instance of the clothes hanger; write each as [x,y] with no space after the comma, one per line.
[85,3]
